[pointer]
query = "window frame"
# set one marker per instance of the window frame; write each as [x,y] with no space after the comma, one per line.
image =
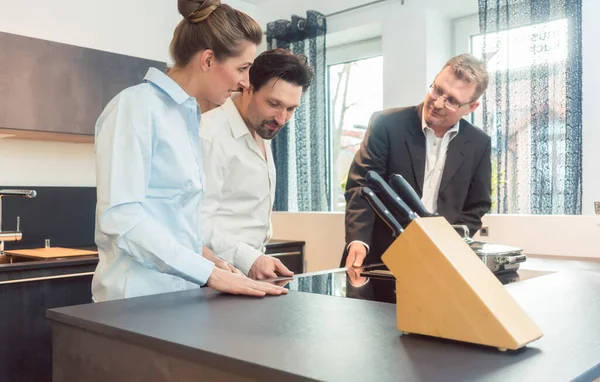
[353,53]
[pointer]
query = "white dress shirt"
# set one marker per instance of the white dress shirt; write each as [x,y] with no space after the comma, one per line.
[240,187]
[149,190]
[435,161]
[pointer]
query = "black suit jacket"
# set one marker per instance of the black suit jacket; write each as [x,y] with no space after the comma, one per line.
[395,144]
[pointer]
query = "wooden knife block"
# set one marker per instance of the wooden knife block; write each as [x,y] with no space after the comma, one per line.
[444,290]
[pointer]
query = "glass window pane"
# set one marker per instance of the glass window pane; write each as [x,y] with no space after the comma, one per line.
[355,93]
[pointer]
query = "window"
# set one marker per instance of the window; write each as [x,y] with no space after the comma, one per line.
[525,107]
[517,50]
[355,93]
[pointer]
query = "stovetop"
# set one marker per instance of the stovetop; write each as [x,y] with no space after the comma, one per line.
[373,282]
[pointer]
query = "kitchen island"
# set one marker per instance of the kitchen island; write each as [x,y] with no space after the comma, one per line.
[29,287]
[320,335]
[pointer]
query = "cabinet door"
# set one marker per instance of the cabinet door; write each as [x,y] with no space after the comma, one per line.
[26,345]
[58,88]
[292,256]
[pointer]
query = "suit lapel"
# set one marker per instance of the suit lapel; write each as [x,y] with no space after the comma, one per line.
[416,148]
[455,156]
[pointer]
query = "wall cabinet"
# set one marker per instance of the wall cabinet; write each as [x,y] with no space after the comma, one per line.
[49,87]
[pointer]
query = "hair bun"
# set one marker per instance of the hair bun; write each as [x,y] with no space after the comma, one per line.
[196,11]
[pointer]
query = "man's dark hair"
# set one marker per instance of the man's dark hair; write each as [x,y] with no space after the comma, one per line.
[282,65]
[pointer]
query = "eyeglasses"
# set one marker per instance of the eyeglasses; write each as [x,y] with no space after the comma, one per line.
[451,103]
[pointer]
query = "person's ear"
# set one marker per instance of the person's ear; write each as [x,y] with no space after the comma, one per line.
[472,106]
[206,60]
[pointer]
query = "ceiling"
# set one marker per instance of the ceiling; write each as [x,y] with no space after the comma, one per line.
[451,8]
[454,8]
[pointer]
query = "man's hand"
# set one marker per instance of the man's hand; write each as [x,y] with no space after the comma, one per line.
[233,283]
[219,263]
[356,255]
[265,266]
[354,277]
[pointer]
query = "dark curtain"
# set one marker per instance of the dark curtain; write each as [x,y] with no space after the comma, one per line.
[301,150]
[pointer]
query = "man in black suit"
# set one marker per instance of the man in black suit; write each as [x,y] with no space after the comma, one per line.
[443,157]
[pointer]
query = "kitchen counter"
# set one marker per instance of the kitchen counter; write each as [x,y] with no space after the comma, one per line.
[28,267]
[29,287]
[15,269]
[320,335]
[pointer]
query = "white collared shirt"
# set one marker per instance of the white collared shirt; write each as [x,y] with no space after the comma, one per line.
[435,161]
[239,187]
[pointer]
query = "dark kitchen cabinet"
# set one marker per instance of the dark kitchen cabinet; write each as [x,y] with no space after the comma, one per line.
[27,290]
[55,88]
[291,254]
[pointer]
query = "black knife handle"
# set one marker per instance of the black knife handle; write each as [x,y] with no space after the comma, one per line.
[409,195]
[399,209]
[381,211]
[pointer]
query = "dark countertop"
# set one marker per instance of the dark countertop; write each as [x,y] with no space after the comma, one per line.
[31,264]
[23,263]
[24,268]
[310,336]
[278,244]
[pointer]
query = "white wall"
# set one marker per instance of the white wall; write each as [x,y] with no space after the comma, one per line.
[462,29]
[40,163]
[133,27]
[550,235]
[562,236]
[469,25]
[348,52]
[404,54]
[141,28]
[438,43]
[591,99]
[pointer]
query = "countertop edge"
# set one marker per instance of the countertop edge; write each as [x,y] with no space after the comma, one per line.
[194,354]
[186,352]
[92,259]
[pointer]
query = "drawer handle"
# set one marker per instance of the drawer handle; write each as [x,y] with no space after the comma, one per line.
[72,275]
[284,254]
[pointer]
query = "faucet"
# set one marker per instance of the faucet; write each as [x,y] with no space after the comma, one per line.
[12,235]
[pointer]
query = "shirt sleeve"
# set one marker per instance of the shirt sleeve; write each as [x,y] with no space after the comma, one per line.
[124,149]
[227,247]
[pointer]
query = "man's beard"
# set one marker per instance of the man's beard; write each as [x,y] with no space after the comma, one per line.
[266,133]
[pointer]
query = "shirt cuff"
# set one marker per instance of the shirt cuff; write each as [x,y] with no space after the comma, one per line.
[245,258]
[192,267]
[358,241]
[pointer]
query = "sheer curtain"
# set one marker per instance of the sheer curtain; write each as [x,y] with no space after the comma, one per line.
[532,108]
